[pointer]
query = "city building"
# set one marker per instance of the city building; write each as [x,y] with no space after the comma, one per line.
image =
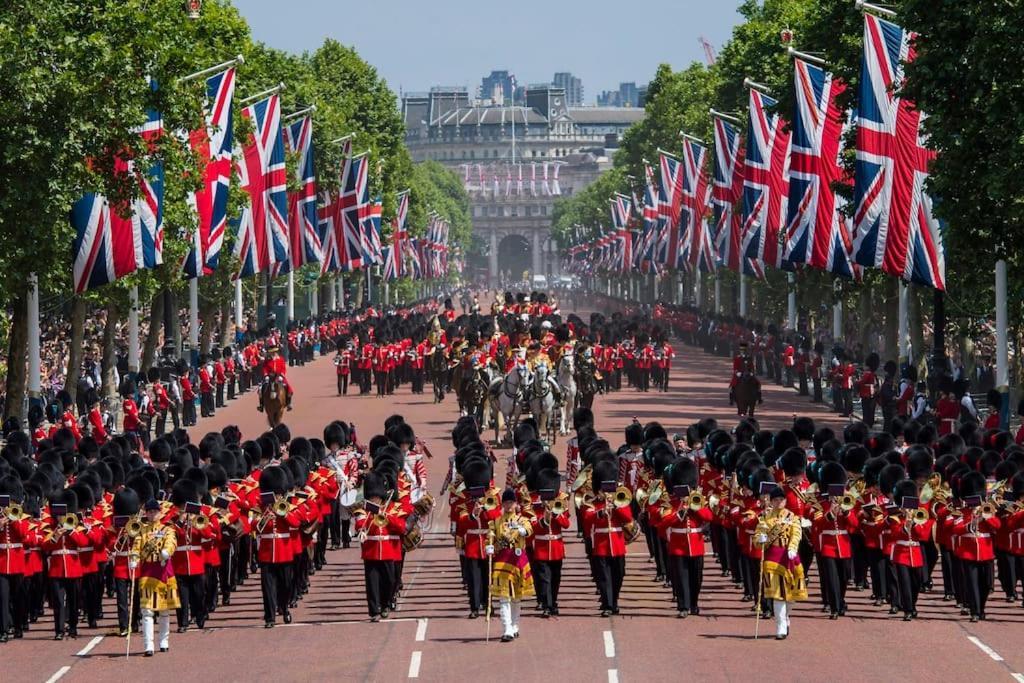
[497,87]
[515,162]
[572,86]
[628,95]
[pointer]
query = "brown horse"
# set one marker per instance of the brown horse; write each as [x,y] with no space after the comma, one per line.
[275,398]
[747,393]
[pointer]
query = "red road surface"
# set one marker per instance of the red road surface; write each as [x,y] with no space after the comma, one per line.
[430,637]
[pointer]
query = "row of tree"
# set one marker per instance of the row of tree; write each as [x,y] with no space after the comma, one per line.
[962,78]
[74,90]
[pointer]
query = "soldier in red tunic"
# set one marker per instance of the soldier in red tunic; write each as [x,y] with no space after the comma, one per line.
[380,526]
[606,524]
[274,366]
[683,521]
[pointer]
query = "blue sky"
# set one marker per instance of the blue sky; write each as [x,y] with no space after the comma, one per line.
[416,44]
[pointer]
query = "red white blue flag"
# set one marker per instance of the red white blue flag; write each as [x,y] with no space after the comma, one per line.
[261,237]
[765,182]
[623,257]
[394,254]
[354,206]
[212,144]
[817,231]
[726,195]
[670,198]
[305,242]
[697,249]
[894,228]
[371,233]
[111,242]
[331,223]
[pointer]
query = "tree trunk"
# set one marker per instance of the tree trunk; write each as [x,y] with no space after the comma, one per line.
[108,386]
[225,318]
[866,321]
[74,369]
[892,318]
[17,359]
[206,326]
[916,330]
[156,316]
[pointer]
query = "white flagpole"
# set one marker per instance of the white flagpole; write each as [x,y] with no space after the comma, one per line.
[133,329]
[1002,355]
[213,69]
[904,323]
[743,296]
[791,302]
[718,293]
[291,295]
[239,323]
[332,293]
[193,314]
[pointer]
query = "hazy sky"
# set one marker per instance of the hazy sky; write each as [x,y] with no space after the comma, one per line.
[417,43]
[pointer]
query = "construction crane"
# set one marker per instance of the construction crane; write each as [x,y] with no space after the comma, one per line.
[709,51]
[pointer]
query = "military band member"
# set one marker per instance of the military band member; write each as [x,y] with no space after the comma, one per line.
[158,590]
[683,519]
[550,520]
[907,535]
[473,516]
[275,521]
[778,535]
[606,521]
[380,526]
[511,579]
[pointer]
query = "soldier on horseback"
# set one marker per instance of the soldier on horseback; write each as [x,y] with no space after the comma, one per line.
[742,364]
[273,367]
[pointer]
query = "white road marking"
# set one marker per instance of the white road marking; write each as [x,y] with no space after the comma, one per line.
[986,649]
[414,664]
[57,676]
[609,644]
[613,676]
[421,631]
[1018,677]
[88,648]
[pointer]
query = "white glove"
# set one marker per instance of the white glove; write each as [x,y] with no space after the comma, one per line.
[521,530]
[132,565]
[761,539]
[164,555]
[489,549]
[792,555]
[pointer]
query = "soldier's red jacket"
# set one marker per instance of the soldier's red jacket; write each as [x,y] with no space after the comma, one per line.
[685,536]
[607,528]
[383,541]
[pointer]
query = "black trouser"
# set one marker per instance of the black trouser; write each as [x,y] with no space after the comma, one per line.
[867,407]
[225,572]
[380,379]
[231,388]
[1011,571]
[816,390]
[908,584]
[380,585]
[334,524]
[10,585]
[121,592]
[931,558]
[834,573]
[610,573]
[651,537]
[192,591]
[879,573]
[735,558]
[64,601]
[687,574]
[220,395]
[342,385]
[478,584]
[644,378]
[275,584]
[802,376]
[92,596]
[844,401]
[206,407]
[212,592]
[977,584]
[161,423]
[188,413]
[548,576]
[750,570]
[859,560]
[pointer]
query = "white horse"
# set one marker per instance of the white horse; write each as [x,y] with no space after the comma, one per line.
[542,395]
[567,383]
[507,400]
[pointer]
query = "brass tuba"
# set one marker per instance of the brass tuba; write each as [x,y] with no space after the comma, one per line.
[489,502]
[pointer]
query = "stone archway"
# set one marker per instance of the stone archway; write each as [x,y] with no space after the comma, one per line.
[515,256]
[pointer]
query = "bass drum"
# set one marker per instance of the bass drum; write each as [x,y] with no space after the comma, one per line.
[412,539]
[422,501]
[348,501]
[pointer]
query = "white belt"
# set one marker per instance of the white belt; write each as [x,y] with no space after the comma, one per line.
[10,546]
[87,549]
[64,552]
[120,553]
[191,548]
[382,538]
[834,532]
[478,532]
[909,544]
[606,529]
[275,537]
[977,535]
[749,531]
[548,537]
[688,530]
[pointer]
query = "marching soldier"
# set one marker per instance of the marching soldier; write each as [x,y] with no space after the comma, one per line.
[511,579]
[380,526]
[867,388]
[158,589]
[683,520]
[551,520]
[606,521]
[474,516]
[778,535]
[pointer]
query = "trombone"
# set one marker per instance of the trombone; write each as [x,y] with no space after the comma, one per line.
[13,512]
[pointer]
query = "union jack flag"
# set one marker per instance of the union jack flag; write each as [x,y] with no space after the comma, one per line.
[621,209]
[212,144]
[111,243]
[305,239]
[394,255]
[371,233]
[649,217]
[670,196]
[765,182]
[697,248]
[817,232]
[332,220]
[261,240]
[893,225]
[726,193]
[354,201]
[416,258]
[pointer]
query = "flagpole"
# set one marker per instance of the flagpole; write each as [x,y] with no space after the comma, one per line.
[332,294]
[193,317]
[314,298]
[697,288]
[748,83]
[718,293]
[837,310]
[904,323]
[239,323]
[213,69]
[341,290]
[743,295]
[133,329]
[296,114]
[260,95]
[291,295]
[34,360]
[865,7]
[791,302]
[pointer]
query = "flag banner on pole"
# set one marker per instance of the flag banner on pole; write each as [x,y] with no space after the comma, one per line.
[304,238]
[354,205]
[817,231]
[726,195]
[696,248]
[894,228]
[621,208]
[213,145]
[670,197]
[111,242]
[329,225]
[371,233]
[261,237]
[394,259]
[765,182]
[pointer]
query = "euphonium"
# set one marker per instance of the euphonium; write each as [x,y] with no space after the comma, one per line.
[489,502]
[281,507]
[847,502]
[919,516]
[14,512]
[622,497]
[696,501]
[133,529]
[200,522]
[557,506]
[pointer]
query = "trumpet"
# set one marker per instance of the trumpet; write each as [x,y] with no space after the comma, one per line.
[133,529]
[281,507]
[557,507]
[69,522]
[622,497]
[986,510]
[200,522]
[13,512]
[847,502]
[696,501]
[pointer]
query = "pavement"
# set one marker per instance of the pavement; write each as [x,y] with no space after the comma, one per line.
[430,637]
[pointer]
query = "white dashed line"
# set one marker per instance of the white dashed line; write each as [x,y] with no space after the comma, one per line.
[414,664]
[986,649]
[613,676]
[88,648]
[57,676]
[609,644]
[421,631]
[1018,677]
